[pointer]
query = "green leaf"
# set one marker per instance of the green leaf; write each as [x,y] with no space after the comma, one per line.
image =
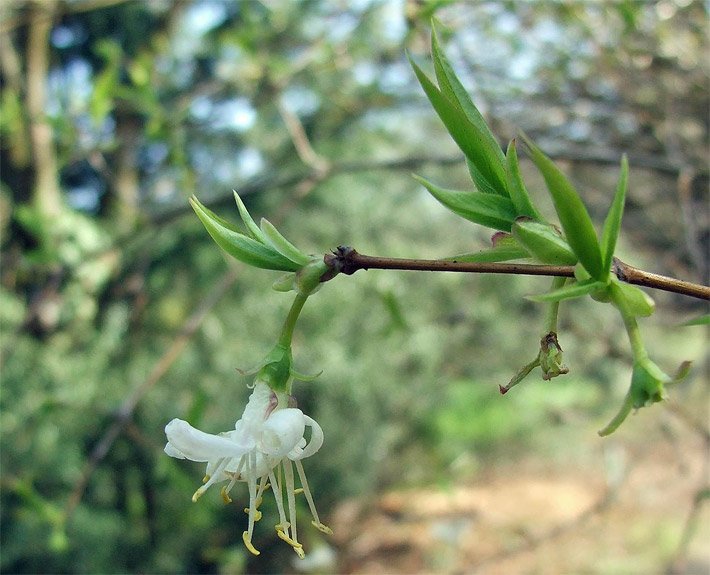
[612,224]
[239,246]
[282,245]
[253,229]
[504,249]
[636,301]
[516,187]
[702,320]
[544,242]
[574,217]
[573,290]
[469,138]
[488,210]
[285,283]
[452,89]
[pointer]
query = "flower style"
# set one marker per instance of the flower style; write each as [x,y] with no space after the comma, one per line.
[269,434]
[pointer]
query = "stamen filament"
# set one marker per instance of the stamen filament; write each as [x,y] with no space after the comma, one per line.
[291,498]
[309,498]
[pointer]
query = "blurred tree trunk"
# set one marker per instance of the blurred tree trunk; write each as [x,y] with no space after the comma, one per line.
[46,192]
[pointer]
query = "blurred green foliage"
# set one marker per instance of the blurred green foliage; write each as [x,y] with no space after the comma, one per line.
[148,103]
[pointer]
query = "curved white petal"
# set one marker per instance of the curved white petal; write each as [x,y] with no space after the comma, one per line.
[185,441]
[313,445]
[282,431]
[172,452]
[260,402]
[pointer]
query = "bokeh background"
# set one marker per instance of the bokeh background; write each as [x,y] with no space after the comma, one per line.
[119,313]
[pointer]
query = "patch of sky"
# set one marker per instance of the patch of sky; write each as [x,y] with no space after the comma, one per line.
[152,156]
[66,36]
[300,100]
[91,135]
[392,24]
[236,114]
[83,187]
[198,19]
[69,88]
[489,52]
[227,168]
[507,23]
[84,198]
[332,21]
[522,66]
[341,27]
[364,72]
[204,15]
[180,72]
[201,108]
[394,77]
[360,6]
[250,162]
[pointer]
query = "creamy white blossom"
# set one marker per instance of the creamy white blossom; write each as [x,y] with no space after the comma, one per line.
[261,451]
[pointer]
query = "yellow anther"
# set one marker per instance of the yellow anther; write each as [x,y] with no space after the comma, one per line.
[197,494]
[248,545]
[298,491]
[225,495]
[205,479]
[295,544]
[257,513]
[322,528]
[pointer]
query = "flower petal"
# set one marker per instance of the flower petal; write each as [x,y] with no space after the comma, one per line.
[282,431]
[313,445]
[187,442]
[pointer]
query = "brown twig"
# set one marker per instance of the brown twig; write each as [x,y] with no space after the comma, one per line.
[347,260]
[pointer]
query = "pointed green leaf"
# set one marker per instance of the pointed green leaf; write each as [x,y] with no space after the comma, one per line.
[285,283]
[543,242]
[636,301]
[702,320]
[237,245]
[612,224]
[488,210]
[453,90]
[482,184]
[254,230]
[503,250]
[516,187]
[218,219]
[573,290]
[466,135]
[305,376]
[573,215]
[282,245]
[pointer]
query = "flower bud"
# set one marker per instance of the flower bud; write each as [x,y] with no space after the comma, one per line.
[551,357]
[308,278]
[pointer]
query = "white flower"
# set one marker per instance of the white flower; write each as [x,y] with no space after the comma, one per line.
[269,434]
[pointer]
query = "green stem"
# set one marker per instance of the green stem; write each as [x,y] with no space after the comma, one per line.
[554,307]
[632,328]
[291,319]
